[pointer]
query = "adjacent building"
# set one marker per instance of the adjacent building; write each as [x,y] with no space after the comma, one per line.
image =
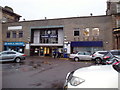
[6,15]
[113,9]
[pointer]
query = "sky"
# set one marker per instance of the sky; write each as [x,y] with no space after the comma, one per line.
[39,9]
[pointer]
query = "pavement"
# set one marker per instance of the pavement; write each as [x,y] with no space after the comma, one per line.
[39,72]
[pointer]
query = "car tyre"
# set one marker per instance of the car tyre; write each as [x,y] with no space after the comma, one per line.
[98,61]
[76,59]
[17,60]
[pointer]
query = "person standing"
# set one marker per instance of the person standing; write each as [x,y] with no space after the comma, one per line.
[54,54]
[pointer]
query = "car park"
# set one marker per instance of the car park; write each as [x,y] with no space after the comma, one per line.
[98,76]
[6,56]
[81,56]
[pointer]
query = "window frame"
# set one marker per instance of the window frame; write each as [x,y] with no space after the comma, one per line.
[8,34]
[20,34]
[14,34]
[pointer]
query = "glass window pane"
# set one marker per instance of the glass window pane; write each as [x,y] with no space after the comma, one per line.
[76,33]
[8,35]
[86,32]
[20,34]
[95,31]
[14,34]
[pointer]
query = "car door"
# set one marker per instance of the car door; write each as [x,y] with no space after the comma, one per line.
[11,55]
[4,56]
[81,55]
[87,56]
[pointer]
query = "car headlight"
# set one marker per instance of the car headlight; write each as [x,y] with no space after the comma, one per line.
[76,81]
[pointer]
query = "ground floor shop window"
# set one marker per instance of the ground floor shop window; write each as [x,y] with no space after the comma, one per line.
[45,51]
[88,49]
[15,48]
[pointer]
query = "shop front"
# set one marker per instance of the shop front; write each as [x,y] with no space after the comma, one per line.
[45,50]
[90,46]
[46,40]
[16,46]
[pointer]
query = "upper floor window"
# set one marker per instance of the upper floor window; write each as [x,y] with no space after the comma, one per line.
[118,23]
[14,34]
[118,8]
[20,34]
[8,35]
[86,32]
[95,31]
[76,32]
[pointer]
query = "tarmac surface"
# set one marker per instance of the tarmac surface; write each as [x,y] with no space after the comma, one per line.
[39,72]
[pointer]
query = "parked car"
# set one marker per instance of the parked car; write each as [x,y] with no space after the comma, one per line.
[11,56]
[111,57]
[81,56]
[99,76]
[112,60]
[98,56]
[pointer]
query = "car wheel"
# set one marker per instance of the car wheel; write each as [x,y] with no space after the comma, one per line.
[17,60]
[98,60]
[76,59]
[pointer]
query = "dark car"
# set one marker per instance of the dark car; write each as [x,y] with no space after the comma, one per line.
[111,57]
[11,56]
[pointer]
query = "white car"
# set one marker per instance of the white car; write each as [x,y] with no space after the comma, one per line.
[99,76]
[98,56]
[81,56]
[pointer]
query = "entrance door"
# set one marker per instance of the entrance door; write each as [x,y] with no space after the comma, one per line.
[41,51]
[45,51]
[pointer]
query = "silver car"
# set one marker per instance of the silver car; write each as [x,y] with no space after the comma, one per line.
[81,56]
[11,56]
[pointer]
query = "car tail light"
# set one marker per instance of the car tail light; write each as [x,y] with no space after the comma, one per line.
[116,63]
[93,55]
[106,57]
[24,55]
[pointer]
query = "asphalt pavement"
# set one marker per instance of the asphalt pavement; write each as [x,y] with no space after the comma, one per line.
[39,72]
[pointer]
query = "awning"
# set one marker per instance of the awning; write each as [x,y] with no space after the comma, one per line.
[14,44]
[86,44]
[116,30]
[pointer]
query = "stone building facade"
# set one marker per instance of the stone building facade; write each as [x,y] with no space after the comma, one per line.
[6,15]
[113,9]
[68,35]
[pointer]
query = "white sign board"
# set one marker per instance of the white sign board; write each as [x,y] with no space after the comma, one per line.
[15,28]
[27,46]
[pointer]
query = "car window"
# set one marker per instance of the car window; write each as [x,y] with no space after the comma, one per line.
[3,53]
[115,53]
[87,53]
[80,53]
[11,53]
[103,52]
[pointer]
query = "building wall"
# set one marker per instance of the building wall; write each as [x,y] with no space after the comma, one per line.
[104,23]
[113,8]
[1,46]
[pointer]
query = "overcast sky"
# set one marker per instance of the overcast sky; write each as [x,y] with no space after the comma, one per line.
[39,9]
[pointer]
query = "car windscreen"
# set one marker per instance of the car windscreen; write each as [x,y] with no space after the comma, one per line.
[116,53]
[103,53]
